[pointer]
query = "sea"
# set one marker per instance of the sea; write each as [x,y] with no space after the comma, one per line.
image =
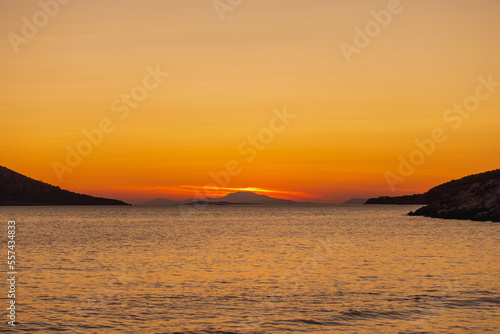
[249,269]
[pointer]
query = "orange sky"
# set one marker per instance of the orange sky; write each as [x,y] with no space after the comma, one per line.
[91,65]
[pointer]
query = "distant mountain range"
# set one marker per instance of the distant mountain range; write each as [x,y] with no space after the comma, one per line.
[241,197]
[475,197]
[17,189]
[250,197]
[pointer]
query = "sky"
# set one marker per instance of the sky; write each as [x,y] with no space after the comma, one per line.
[320,101]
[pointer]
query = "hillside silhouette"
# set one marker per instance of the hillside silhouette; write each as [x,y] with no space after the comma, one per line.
[240,197]
[17,189]
[474,197]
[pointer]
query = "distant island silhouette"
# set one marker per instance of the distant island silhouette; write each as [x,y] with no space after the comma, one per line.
[17,190]
[355,201]
[403,200]
[474,197]
[240,197]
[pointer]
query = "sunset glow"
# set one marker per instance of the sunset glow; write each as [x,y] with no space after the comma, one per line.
[184,192]
[293,99]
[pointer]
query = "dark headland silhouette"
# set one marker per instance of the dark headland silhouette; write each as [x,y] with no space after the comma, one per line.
[240,197]
[17,189]
[474,197]
[355,201]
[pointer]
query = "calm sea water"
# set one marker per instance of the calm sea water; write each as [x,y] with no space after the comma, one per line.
[251,269]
